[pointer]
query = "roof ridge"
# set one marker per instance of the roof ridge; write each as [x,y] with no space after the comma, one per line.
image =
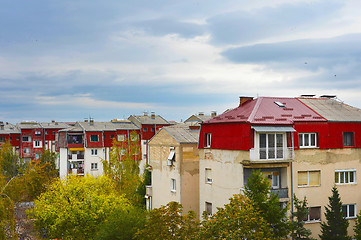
[255,109]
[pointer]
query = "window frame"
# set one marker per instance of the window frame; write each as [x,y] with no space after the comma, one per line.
[348,211]
[345,138]
[309,220]
[37,144]
[94,166]
[2,139]
[94,152]
[208,176]
[209,208]
[343,172]
[28,138]
[207,140]
[310,134]
[93,136]
[173,185]
[37,134]
[268,148]
[308,178]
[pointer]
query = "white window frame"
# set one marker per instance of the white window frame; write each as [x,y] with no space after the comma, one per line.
[94,166]
[309,140]
[134,137]
[26,150]
[173,185]
[92,135]
[94,152]
[208,175]
[37,144]
[37,133]
[28,138]
[208,140]
[268,148]
[121,137]
[309,220]
[345,174]
[348,211]
[209,208]
[308,178]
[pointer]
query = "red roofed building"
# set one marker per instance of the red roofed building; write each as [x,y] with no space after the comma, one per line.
[302,145]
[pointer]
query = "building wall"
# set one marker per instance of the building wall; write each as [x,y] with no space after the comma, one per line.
[227,176]
[327,161]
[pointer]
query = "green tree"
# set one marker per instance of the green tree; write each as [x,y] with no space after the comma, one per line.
[257,190]
[7,220]
[9,161]
[357,227]
[336,226]
[122,224]
[75,207]
[168,223]
[299,231]
[237,220]
[123,167]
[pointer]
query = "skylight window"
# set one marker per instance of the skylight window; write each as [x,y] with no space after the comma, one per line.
[280,104]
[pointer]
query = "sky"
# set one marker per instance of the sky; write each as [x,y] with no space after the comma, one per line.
[70,60]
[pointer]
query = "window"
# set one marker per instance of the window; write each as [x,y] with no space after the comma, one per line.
[348,139]
[94,166]
[349,211]
[2,139]
[152,129]
[11,138]
[17,138]
[313,215]
[94,152]
[37,144]
[271,145]
[37,133]
[94,138]
[209,208]
[145,129]
[308,178]
[208,138]
[273,178]
[26,139]
[134,137]
[307,140]
[121,137]
[208,175]
[26,150]
[53,132]
[171,156]
[172,185]
[46,132]
[345,176]
[122,152]
[111,136]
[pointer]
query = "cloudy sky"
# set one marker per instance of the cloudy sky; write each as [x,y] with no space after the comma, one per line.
[70,59]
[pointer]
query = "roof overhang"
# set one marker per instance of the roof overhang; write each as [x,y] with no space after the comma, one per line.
[273,129]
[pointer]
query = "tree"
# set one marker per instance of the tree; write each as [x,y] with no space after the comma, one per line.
[298,229]
[336,226]
[9,161]
[237,220]
[123,167]
[168,223]
[122,224]
[75,207]
[357,227]
[7,219]
[257,190]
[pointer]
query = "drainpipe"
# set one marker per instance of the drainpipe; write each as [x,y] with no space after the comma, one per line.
[293,156]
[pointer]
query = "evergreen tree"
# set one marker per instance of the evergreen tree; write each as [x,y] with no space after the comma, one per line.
[357,227]
[257,190]
[298,229]
[336,226]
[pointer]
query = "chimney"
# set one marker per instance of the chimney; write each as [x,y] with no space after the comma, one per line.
[53,121]
[152,115]
[145,113]
[91,121]
[244,99]
[213,114]
[201,114]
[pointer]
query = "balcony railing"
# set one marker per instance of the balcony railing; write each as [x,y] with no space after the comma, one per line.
[281,192]
[76,156]
[76,171]
[263,154]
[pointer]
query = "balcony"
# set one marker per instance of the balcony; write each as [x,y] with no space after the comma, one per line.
[75,157]
[281,192]
[272,154]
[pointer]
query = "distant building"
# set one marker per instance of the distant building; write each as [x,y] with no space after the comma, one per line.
[9,132]
[174,160]
[200,117]
[303,146]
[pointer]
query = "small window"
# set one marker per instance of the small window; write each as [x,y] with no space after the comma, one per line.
[111,136]
[94,152]
[53,132]
[122,152]
[37,133]
[134,137]
[348,139]
[145,129]
[37,144]
[26,139]
[172,185]
[94,166]
[307,140]
[308,178]
[208,138]
[345,176]
[11,138]
[2,139]
[314,215]
[17,138]
[121,137]
[208,176]
[26,150]
[152,129]
[171,156]
[46,132]
[349,211]
[209,208]
[94,138]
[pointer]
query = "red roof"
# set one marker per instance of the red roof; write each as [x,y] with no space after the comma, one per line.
[269,110]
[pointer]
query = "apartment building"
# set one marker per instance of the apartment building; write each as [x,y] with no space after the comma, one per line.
[302,145]
[83,146]
[174,160]
[9,132]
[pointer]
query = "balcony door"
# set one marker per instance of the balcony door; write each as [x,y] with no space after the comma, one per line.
[271,145]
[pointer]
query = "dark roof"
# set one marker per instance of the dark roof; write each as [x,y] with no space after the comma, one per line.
[269,110]
[145,119]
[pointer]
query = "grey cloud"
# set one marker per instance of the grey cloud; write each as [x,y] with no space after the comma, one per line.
[247,26]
